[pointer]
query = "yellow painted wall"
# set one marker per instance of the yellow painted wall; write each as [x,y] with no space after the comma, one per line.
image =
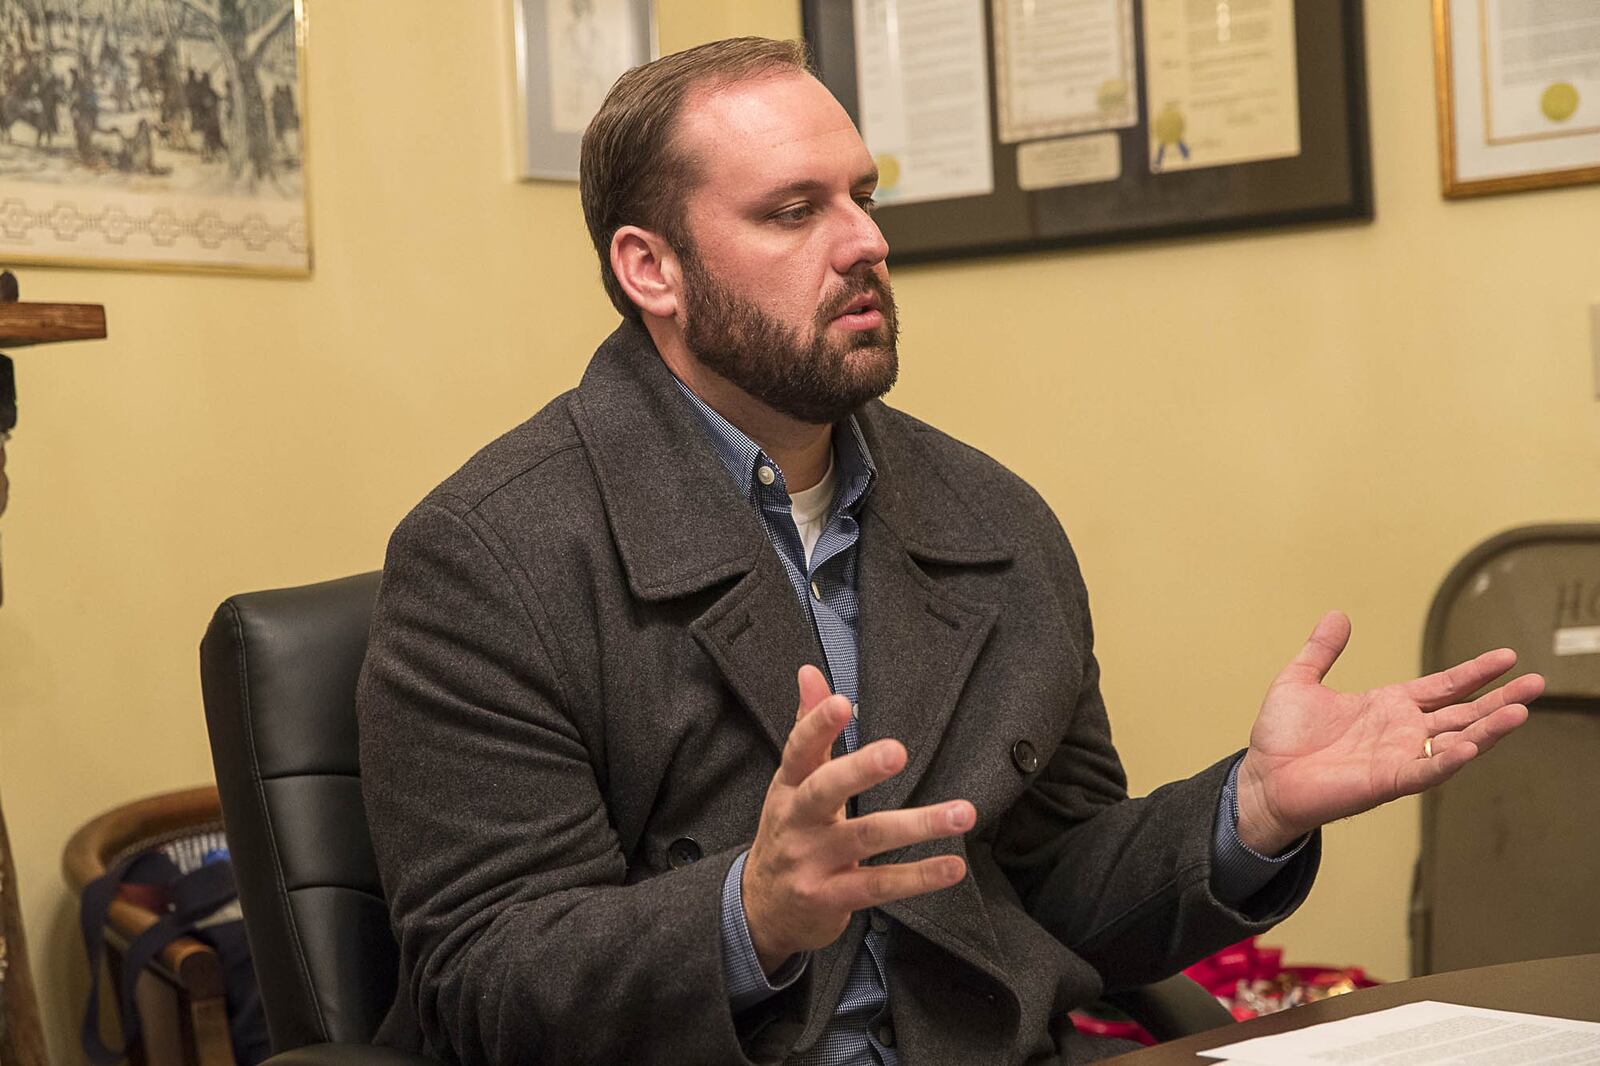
[1238,432]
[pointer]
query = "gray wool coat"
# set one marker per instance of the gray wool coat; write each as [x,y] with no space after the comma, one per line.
[580,679]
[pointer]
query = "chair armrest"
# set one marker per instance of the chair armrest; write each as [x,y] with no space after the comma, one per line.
[348,1055]
[138,826]
[1171,1008]
[187,962]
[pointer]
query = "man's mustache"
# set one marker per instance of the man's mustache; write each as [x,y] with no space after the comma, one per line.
[860,286]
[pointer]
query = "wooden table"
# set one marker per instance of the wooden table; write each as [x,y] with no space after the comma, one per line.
[1566,987]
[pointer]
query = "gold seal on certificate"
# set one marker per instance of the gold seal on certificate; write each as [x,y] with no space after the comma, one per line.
[1222,83]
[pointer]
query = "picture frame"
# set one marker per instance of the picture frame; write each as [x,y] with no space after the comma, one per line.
[131,139]
[1086,185]
[1508,119]
[568,54]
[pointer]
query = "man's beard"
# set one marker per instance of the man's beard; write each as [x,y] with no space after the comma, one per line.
[820,380]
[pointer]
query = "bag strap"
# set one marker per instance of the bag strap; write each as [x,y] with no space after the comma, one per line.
[143,868]
[195,896]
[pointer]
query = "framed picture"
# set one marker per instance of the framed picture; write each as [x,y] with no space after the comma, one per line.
[569,52]
[1008,125]
[1519,94]
[164,134]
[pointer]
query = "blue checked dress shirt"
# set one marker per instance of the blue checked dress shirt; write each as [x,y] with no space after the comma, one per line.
[861,1031]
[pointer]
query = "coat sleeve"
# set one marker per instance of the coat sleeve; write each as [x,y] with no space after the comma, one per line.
[1126,883]
[520,940]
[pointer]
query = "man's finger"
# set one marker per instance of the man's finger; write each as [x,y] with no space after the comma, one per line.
[1485,732]
[1416,775]
[1523,690]
[1321,650]
[873,834]
[811,740]
[1449,686]
[873,886]
[830,786]
[813,690]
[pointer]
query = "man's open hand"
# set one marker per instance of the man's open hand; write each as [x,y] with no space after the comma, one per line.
[803,877]
[1316,754]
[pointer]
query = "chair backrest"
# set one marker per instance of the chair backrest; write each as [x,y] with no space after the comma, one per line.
[278,670]
[1506,872]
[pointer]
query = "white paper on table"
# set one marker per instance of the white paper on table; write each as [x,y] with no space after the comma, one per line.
[1436,1034]
[922,82]
[1063,66]
[1541,69]
[1221,82]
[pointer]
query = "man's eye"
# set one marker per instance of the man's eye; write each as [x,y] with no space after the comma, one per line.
[797,213]
[868,203]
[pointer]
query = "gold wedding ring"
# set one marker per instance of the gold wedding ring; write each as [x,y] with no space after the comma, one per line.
[1427,748]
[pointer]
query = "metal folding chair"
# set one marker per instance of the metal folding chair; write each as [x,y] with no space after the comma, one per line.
[1509,869]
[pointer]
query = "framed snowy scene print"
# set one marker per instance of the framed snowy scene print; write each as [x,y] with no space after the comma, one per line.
[154,134]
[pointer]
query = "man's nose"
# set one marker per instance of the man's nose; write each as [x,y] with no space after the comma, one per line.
[861,243]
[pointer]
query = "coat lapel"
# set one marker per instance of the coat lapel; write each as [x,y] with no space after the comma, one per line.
[919,644]
[919,641]
[759,638]
[681,527]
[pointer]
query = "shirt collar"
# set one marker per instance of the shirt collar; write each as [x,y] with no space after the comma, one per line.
[743,457]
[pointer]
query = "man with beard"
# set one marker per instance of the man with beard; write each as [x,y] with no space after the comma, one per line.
[721,713]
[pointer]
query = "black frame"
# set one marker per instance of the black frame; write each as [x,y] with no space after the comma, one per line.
[1331,178]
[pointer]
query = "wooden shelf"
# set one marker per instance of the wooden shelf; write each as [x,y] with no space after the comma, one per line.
[25,324]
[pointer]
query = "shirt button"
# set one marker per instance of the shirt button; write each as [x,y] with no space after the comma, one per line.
[885,1035]
[765,475]
[1024,757]
[683,852]
[880,923]
[855,710]
[816,591]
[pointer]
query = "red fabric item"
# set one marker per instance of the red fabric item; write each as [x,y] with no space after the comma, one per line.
[1248,979]
[153,898]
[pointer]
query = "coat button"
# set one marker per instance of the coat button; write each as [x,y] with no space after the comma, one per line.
[682,852]
[885,1034]
[1025,758]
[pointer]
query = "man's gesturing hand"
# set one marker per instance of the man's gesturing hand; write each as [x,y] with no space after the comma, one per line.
[1316,754]
[803,877]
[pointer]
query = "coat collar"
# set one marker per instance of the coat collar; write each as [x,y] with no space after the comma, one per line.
[680,523]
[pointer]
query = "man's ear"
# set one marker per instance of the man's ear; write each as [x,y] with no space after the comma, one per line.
[647,268]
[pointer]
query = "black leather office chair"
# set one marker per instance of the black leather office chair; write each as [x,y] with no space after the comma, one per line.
[278,670]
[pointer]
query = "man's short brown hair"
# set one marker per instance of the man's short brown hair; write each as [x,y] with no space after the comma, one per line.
[631,171]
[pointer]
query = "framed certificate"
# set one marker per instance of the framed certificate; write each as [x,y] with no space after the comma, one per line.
[569,52]
[1519,94]
[1007,125]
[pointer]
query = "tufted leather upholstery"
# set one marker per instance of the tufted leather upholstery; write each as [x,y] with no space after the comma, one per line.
[278,670]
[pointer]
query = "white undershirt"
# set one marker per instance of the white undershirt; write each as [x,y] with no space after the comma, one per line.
[810,509]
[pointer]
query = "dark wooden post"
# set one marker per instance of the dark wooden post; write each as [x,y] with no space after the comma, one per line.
[21,1034]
